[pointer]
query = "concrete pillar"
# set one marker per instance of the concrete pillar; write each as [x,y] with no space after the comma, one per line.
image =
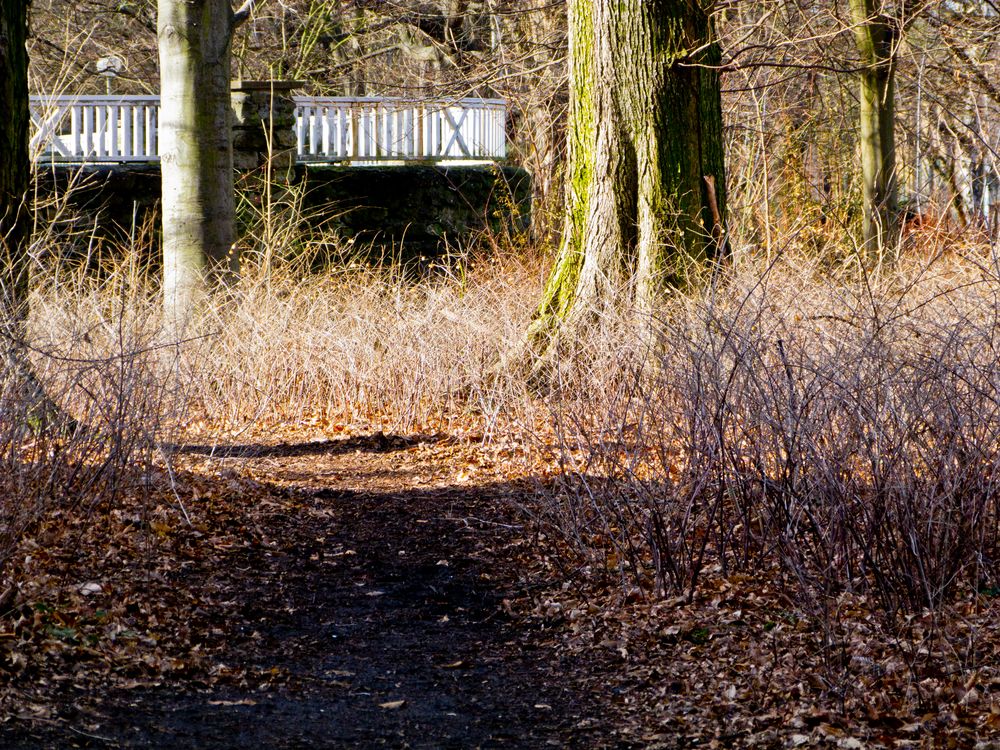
[264,126]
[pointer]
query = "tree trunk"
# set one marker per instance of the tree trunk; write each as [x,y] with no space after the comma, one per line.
[645,194]
[14,168]
[196,155]
[876,39]
[15,215]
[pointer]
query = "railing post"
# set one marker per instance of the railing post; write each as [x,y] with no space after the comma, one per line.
[264,126]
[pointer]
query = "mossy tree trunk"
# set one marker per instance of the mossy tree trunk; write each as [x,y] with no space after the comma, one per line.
[645,194]
[196,152]
[876,38]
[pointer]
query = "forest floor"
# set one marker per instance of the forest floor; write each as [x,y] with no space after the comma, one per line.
[355,592]
[360,589]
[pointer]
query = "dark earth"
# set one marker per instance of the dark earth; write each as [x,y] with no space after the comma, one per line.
[376,615]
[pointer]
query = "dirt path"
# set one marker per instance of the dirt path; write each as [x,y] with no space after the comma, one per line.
[367,609]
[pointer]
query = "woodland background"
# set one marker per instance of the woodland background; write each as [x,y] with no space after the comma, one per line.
[773,523]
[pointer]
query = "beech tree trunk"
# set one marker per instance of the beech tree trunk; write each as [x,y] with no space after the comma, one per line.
[15,168]
[875,38]
[196,153]
[645,192]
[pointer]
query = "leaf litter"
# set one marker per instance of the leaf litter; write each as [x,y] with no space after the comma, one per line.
[289,596]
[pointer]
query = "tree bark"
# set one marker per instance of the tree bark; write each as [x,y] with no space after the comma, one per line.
[875,38]
[15,167]
[15,216]
[196,154]
[645,195]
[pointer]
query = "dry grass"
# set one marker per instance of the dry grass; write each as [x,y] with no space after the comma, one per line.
[360,344]
[357,345]
[837,426]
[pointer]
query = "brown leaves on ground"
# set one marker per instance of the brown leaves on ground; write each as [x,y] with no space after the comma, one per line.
[147,593]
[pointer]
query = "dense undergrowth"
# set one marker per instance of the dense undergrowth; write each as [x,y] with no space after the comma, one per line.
[840,432]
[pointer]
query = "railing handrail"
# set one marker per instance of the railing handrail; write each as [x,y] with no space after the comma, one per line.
[411,101]
[113,98]
[94,98]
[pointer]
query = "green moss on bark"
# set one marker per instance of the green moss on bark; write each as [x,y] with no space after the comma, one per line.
[875,39]
[560,289]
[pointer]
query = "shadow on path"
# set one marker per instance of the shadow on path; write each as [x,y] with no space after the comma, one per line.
[364,620]
[376,443]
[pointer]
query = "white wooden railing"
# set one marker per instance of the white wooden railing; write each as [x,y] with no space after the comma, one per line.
[83,129]
[371,129]
[95,128]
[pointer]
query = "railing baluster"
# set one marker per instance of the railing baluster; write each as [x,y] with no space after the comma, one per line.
[329,123]
[484,131]
[139,131]
[386,132]
[300,127]
[422,133]
[115,110]
[432,140]
[371,134]
[74,128]
[151,138]
[100,130]
[475,115]
[361,137]
[500,118]
[407,146]
[399,133]
[314,133]
[126,111]
[88,130]
[340,142]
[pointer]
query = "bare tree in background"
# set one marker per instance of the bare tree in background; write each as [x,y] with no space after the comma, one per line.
[791,97]
[67,38]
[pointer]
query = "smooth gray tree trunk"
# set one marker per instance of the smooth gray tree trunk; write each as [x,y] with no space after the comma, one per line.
[196,154]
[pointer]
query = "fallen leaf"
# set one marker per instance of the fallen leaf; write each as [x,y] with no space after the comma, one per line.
[91,588]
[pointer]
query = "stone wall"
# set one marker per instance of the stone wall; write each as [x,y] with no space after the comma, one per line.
[264,125]
[420,209]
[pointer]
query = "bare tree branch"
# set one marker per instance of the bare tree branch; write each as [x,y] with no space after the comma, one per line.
[244,12]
